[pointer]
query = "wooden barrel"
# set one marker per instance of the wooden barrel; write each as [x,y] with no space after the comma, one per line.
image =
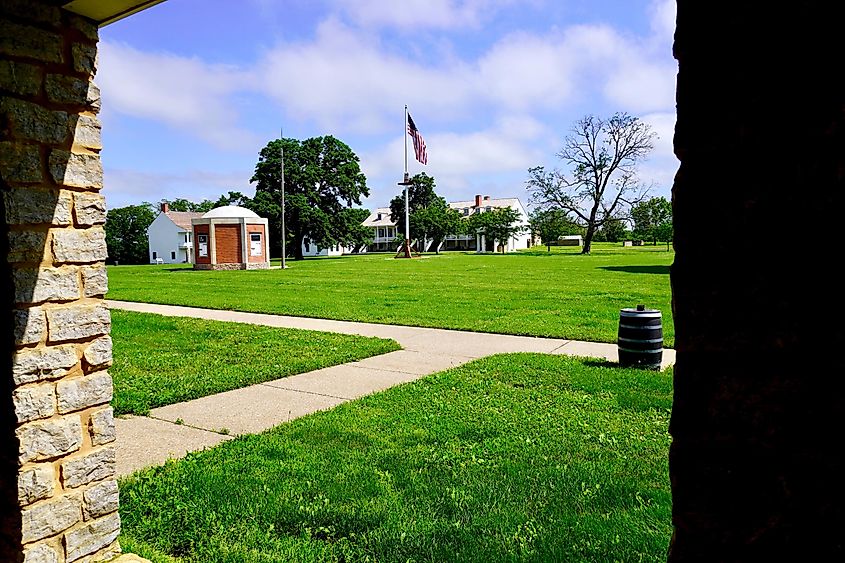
[640,340]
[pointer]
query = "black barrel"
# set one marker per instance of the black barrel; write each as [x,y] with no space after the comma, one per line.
[640,340]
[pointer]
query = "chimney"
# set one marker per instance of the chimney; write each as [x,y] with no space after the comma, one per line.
[165,207]
[478,200]
[487,198]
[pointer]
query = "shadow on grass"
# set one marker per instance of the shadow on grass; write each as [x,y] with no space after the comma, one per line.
[657,269]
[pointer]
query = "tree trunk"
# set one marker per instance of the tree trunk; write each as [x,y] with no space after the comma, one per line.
[588,239]
[297,251]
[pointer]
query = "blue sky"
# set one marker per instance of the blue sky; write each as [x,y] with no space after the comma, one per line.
[192,89]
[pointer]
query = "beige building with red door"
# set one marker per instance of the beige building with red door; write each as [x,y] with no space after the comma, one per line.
[231,238]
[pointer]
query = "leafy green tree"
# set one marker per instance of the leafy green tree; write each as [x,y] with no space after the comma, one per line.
[206,205]
[613,230]
[322,178]
[602,155]
[420,196]
[352,233]
[551,224]
[499,224]
[436,222]
[126,233]
[232,198]
[653,220]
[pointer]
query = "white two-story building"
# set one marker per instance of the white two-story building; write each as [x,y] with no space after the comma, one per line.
[170,237]
[478,241]
[385,233]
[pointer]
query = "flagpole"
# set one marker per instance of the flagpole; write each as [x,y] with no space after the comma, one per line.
[284,234]
[405,180]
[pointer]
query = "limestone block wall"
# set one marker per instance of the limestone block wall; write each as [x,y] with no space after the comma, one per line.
[57,481]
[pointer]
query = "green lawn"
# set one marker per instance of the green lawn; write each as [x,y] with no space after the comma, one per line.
[520,457]
[559,294]
[163,360]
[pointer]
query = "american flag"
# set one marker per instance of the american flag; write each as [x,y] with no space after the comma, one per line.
[419,142]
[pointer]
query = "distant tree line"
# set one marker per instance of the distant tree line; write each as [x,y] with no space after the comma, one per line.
[650,221]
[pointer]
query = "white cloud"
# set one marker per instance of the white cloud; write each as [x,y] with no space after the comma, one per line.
[346,80]
[523,71]
[417,14]
[661,166]
[664,125]
[461,161]
[639,85]
[185,93]
[663,14]
[129,187]
[490,114]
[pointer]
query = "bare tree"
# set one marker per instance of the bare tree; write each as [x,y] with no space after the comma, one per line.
[603,156]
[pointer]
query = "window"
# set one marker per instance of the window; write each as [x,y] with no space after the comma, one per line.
[255,246]
[487,208]
[173,256]
[154,255]
[466,210]
[202,242]
[378,218]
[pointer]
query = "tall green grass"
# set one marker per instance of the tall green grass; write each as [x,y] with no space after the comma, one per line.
[558,294]
[518,457]
[164,360]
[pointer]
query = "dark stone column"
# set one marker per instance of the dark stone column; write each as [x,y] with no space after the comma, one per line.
[757,424]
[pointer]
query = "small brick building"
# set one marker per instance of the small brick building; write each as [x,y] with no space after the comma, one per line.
[231,238]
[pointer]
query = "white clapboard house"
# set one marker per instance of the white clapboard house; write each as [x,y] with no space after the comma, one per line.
[170,237]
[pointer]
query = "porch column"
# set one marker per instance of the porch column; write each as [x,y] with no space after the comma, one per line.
[58,493]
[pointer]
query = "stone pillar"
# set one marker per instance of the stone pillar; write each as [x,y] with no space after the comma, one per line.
[57,481]
[756,462]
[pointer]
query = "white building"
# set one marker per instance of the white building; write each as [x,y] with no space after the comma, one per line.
[310,248]
[384,231]
[478,241]
[170,237]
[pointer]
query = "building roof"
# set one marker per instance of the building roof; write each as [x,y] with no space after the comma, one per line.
[230,211]
[373,219]
[498,202]
[183,218]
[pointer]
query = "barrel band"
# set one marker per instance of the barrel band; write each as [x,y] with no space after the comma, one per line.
[641,340]
[641,327]
[655,351]
[640,315]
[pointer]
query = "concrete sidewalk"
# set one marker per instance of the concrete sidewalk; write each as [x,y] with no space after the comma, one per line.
[174,430]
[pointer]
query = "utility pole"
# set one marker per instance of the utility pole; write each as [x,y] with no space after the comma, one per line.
[284,233]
